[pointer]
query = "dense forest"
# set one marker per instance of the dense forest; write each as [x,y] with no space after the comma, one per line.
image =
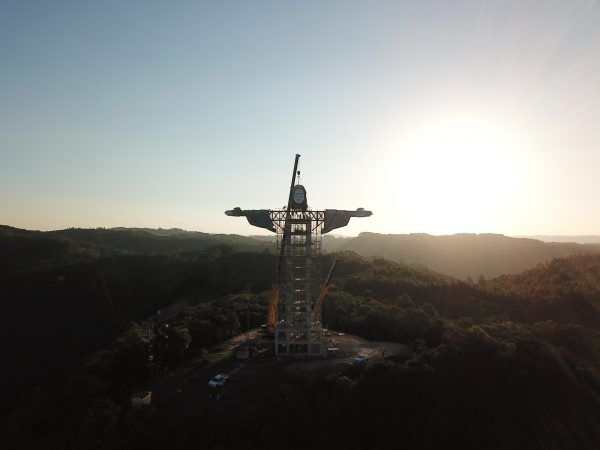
[509,362]
[461,255]
[27,250]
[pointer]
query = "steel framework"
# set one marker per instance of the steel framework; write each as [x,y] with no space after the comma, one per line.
[299,236]
[299,229]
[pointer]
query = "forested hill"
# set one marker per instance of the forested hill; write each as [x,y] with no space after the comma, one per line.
[567,289]
[461,255]
[507,358]
[139,240]
[26,250]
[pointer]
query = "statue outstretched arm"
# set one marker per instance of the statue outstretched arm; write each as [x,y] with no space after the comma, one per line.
[258,217]
[338,218]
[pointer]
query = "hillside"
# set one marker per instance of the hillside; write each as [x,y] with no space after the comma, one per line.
[74,335]
[27,250]
[24,250]
[462,255]
[142,240]
[566,289]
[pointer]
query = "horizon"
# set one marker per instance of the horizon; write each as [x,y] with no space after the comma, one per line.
[440,118]
[584,238]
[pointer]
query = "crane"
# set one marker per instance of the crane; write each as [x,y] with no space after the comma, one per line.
[272,313]
[319,302]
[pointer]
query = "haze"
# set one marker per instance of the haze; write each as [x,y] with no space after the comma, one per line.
[441,117]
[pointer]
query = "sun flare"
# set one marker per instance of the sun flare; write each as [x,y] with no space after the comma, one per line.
[462,174]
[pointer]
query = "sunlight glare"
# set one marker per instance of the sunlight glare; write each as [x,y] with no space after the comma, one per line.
[463,174]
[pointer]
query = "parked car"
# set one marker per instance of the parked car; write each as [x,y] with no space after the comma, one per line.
[360,359]
[218,380]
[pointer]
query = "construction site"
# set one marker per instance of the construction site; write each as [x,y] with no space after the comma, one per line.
[294,342]
[294,324]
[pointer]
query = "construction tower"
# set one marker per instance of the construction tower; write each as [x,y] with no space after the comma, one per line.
[295,306]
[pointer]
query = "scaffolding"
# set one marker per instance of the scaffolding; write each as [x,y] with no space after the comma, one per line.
[299,230]
[299,235]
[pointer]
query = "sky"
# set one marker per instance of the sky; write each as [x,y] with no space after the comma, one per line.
[440,117]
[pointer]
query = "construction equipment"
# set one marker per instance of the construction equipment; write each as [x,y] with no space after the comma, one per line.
[316,312]
[294,303]
[272,313]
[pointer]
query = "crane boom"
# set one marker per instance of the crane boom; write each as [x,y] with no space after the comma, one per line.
[319,302]
[272,313]
[287,216]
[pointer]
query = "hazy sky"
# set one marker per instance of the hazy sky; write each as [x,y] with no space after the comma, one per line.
[440,116]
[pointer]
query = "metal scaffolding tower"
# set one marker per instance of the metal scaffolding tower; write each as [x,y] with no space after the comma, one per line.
[294,311]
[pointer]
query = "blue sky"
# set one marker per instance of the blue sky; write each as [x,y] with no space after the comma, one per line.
[164,114]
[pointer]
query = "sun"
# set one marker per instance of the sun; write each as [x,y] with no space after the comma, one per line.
[462,174]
